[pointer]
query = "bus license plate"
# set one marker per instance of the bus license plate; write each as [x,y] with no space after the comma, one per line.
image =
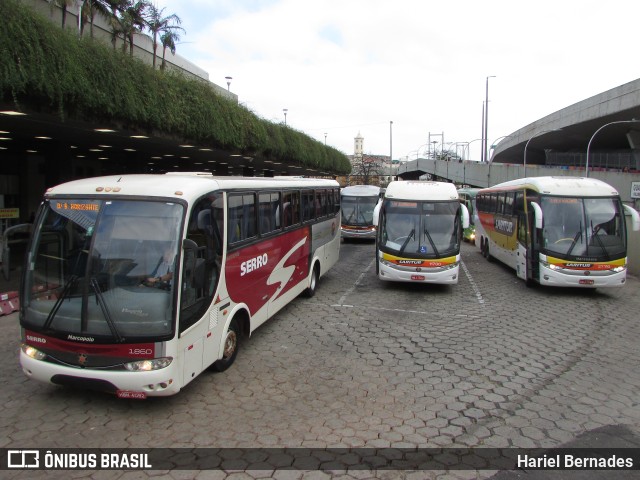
[417,277]
[584,281]
[131,395]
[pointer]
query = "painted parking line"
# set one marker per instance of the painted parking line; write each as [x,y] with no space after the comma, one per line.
[353,287]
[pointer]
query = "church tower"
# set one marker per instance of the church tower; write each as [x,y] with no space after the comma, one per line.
[358,148]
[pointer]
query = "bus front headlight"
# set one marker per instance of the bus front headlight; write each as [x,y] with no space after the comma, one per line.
[149,365]
[32,352]
[619,269]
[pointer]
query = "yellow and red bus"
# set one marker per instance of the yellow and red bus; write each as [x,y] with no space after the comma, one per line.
[420,227]
[558,231]
[98,313]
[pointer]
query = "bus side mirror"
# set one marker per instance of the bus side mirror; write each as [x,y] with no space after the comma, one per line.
[376,214]
[537,212]
[635,217]
[465,216]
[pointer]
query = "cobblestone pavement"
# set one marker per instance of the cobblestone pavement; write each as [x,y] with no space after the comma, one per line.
[486,363]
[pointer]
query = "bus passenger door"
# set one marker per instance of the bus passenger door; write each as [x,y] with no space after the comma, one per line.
[521,248]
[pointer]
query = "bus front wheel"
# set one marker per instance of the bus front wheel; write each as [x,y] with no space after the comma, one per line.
[485,250]
[230,348]
[313,282]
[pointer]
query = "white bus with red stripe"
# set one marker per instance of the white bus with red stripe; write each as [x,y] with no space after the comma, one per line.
[99,310]
[419,232]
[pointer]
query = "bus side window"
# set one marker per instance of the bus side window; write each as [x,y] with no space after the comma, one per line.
[291,208]
[242,217]
[268,207]
[307,206]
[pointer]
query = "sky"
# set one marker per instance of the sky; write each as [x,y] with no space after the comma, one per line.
[348,67]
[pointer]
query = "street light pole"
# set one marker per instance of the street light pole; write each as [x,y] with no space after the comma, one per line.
[595,133]
[285,110]
[486,119]
[493,144]
[390,150]
[228,83]
[527,144]
[469,150]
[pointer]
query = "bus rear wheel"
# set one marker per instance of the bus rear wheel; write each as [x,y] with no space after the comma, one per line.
[230,348]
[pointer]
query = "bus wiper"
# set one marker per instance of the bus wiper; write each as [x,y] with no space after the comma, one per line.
[105,310]
[406,242]
[575,239]
[595,234]
[433,245]
[351,216]
[56,306]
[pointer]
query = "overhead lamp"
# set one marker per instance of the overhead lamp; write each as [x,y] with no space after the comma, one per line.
[205,149]
[103,130]
[95,150]
[11,113]
[5,138]
[168,155]
[186,146]
[32,151]
[139,136]
[42,138]
[156,158]
[129,149]
[101,146]
[2,132]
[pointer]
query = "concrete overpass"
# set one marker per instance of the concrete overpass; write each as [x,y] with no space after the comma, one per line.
[557,145]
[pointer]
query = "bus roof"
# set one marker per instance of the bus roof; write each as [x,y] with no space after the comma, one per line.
[421,190]
[361,191]
[178,184]
[563,186]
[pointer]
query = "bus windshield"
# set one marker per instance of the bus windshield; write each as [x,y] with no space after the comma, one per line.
[103,270]
[583,227]
[423,229]
[358,210]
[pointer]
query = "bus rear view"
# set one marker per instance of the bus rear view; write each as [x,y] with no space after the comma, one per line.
[419,233]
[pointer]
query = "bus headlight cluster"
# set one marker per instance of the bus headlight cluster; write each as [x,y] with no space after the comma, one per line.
[550,266]
[619,269]
[34,353]
[149,365]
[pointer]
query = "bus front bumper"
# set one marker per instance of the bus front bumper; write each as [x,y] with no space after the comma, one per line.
[565,278]
[125,384]
[448,276]
[368,233]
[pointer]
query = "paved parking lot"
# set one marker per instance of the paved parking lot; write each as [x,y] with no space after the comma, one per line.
[486,363]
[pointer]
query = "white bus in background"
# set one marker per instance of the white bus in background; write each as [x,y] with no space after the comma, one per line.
[98,313]
[558,231]
[357,203]
[420,227]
